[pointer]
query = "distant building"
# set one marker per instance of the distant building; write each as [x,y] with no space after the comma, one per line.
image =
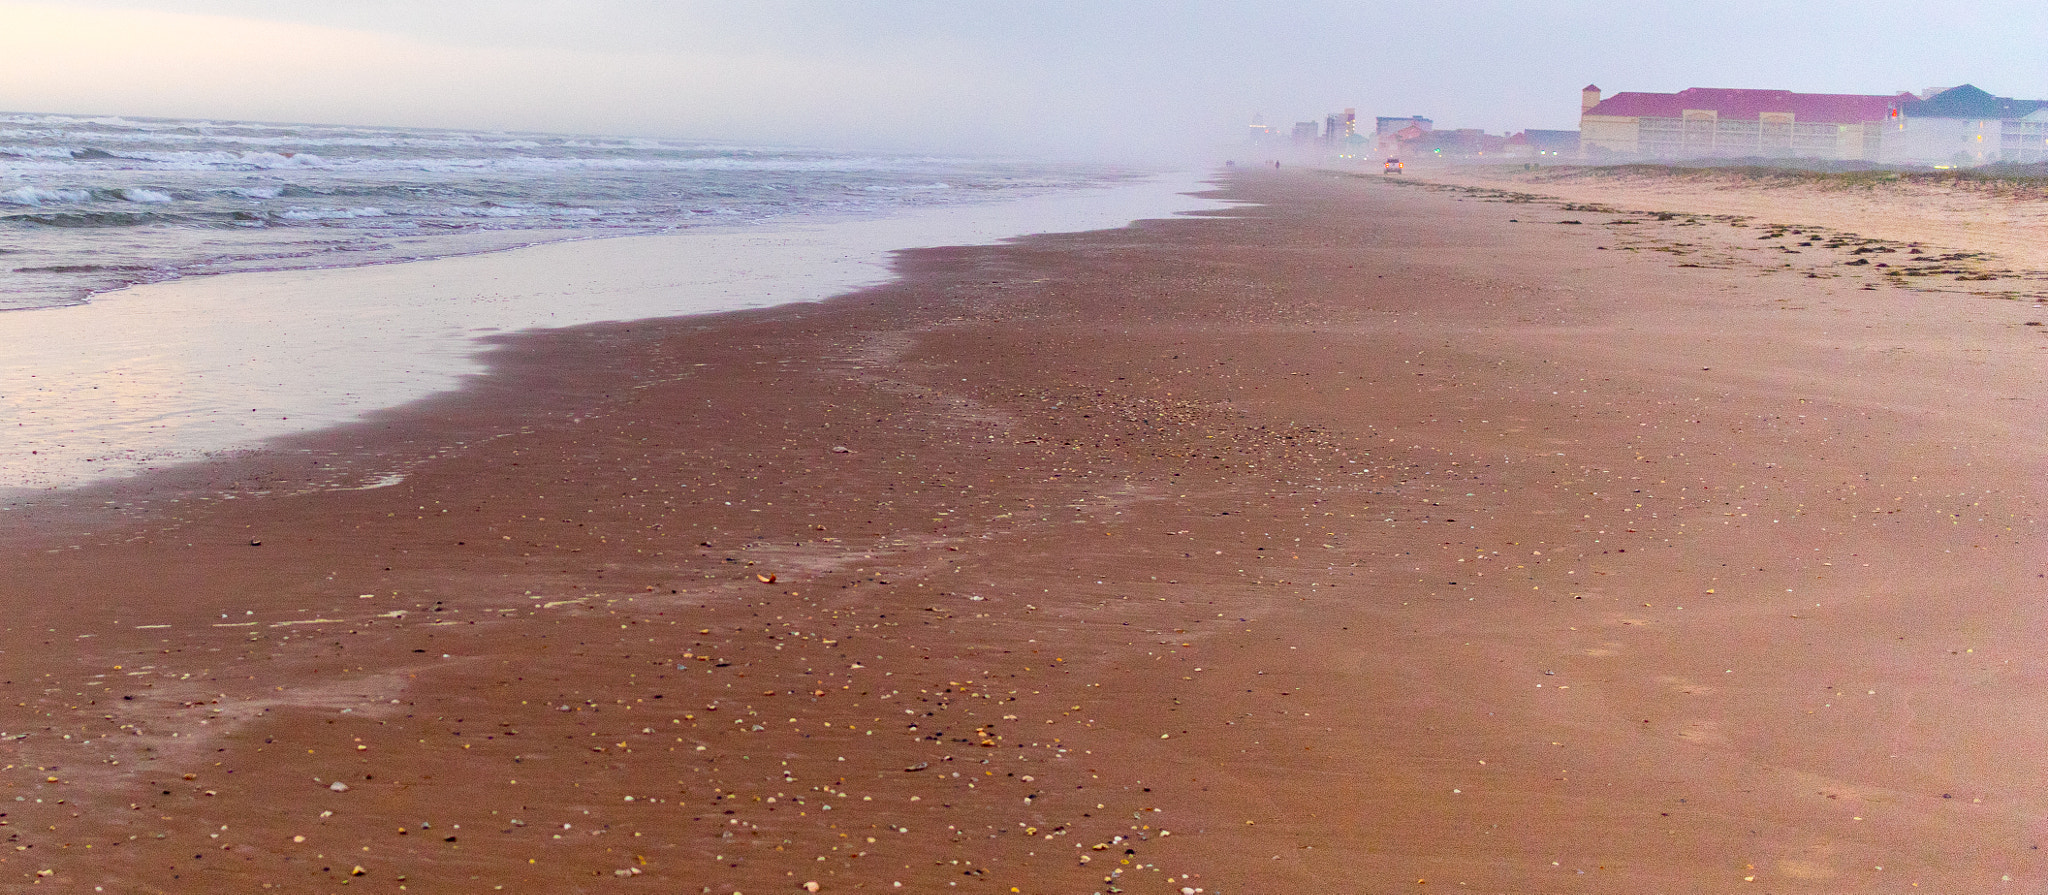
[1461,143]
[1706,122]
[1304,132]
[1554,142]
[1260,132]
[1965,126]
[1387,127]
[1390,135]
[1338,127]
[1534,143]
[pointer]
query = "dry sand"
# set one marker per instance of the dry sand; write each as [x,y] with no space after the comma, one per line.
[2006,219]
[1375,538]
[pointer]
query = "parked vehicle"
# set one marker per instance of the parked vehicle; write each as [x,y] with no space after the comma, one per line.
[1393,166]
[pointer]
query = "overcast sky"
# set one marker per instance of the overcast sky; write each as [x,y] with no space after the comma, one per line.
[1071,76]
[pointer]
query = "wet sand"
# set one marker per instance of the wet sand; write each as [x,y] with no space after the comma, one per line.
[159,374]
[1370,539]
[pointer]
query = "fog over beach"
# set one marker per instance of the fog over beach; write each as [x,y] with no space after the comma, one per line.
[915,447]
[1144,79]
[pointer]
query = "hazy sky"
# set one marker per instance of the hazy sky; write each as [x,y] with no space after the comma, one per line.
[1089,76]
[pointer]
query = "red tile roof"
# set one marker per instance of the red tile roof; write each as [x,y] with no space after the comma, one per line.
[1748,105]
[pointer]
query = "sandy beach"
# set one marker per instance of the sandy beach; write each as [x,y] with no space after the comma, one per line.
[1364,537]
[158,374]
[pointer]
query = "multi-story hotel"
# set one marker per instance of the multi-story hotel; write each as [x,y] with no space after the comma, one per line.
[1705,122]
[1959,126]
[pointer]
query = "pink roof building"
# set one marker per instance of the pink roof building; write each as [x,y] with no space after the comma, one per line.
[1706,122]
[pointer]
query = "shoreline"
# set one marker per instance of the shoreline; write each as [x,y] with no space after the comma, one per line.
[166,373]
[1356,536]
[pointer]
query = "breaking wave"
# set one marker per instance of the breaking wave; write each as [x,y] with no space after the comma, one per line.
[196,197]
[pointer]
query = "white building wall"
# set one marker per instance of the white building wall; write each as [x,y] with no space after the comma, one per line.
[1942,141]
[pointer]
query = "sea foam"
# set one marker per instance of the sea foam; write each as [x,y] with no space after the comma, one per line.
[202,197]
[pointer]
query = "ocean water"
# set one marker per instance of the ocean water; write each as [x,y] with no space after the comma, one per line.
[94,204]
[185,291]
